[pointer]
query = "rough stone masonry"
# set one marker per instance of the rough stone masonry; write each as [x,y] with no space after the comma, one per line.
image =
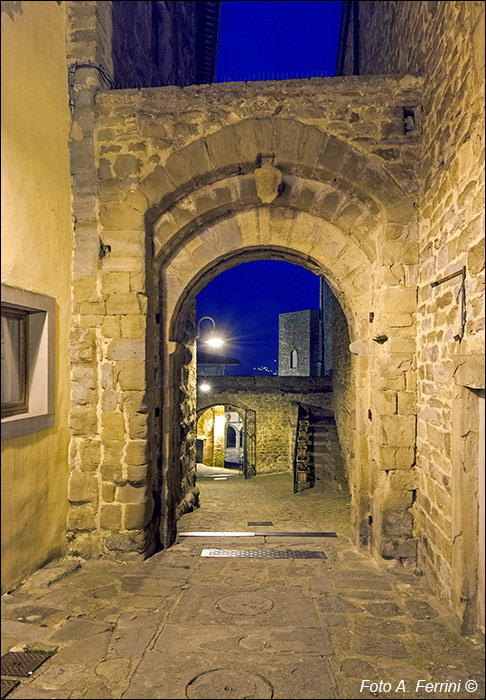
[372,182]
[171,177]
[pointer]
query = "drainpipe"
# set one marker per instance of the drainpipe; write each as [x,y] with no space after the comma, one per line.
[349,6]
[355,37]
[343,37]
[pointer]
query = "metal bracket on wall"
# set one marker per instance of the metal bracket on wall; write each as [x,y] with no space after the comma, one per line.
[462,291]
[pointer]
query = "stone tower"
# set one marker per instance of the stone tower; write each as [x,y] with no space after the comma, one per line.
[298,343]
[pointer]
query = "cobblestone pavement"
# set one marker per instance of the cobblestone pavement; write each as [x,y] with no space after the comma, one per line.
[182,626]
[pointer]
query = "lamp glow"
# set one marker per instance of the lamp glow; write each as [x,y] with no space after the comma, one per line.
[214,342]
[205,387]
[211,339]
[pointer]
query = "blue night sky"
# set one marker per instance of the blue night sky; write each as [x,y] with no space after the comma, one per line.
[269,39]
[259,37]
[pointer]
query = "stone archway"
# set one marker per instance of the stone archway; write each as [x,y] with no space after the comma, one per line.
[341,212]
[181,346]
[203,408]
[224,221]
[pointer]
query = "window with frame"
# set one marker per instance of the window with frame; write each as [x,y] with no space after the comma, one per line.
[28,338]
[14,361]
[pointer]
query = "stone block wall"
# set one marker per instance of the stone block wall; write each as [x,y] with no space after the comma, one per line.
[214,445]
[342,382]
[180,380]
[153,43]
[134,46]
[275,401]
[444,42]
[113,490]
[88,32]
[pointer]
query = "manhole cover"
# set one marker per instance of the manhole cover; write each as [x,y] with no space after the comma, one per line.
[264,553]
[226,683]
[21,663]
[7,686]
[244,604]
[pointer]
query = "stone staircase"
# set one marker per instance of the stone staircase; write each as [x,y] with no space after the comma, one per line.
[324,450]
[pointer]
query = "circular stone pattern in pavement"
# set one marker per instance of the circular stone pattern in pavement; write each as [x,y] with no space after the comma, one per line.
[228,683]
[245,603]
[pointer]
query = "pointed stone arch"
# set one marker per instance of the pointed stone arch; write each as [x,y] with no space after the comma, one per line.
[252,234]
[293,147]
[333,215]
[340,212]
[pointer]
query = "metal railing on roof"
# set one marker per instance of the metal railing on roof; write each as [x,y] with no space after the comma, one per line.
[273,75]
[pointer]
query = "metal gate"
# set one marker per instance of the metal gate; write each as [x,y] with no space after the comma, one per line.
[303,469]
[249,464]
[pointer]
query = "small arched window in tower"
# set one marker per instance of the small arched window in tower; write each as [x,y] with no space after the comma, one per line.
[293,359]
[230,437]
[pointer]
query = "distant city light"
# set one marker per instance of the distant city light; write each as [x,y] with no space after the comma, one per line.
[205,387]
[267,370]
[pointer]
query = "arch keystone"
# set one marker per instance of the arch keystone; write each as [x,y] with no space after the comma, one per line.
[268,180]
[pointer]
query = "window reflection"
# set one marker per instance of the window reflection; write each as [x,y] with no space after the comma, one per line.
[13,361]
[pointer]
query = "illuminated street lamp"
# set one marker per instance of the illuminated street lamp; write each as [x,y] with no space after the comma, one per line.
[213,340]
[205,387]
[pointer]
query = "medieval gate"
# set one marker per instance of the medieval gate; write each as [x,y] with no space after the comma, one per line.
[297,171]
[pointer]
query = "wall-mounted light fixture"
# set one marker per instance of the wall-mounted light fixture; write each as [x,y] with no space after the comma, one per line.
[212,339]
[205,387]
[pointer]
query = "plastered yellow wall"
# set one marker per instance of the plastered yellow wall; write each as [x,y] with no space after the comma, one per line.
[36,255]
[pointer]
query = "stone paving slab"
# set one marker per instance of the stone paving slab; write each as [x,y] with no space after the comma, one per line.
[248,675]
[39,694]
[225,605]
[181,626]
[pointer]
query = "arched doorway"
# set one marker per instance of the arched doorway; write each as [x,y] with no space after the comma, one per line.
[246,189]
[335,225]
[183,360]
[226,436]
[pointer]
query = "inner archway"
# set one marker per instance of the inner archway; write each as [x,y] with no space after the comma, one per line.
[261,311]
[220,437]
[310,394]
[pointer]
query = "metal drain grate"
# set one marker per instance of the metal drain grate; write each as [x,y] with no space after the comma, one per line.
[264,553]
[22,663]
[260,522]
[7,686]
